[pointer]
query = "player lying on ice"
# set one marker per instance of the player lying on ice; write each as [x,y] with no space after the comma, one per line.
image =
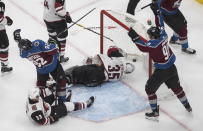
[43,108]
[100,68]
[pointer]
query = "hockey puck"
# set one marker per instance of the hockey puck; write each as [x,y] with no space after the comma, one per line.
[134,60]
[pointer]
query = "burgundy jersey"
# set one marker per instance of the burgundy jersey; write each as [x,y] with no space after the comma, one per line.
[169,7]
[158,49]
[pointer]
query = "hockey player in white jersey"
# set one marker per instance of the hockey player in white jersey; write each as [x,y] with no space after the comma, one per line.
[4,41]
[41,110]
[100,68]
[56,19]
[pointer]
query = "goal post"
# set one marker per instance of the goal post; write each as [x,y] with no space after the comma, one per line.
[118,19]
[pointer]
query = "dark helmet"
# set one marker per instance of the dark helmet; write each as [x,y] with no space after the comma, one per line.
[25,44]
[154,32]
[2,7]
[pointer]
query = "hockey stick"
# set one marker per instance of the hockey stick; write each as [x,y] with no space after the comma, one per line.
[92,31]
[93,28]
[76,21]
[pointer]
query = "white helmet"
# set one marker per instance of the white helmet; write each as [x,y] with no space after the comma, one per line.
[129,68]
[33,93]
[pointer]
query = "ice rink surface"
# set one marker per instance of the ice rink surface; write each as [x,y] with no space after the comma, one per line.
[27,15]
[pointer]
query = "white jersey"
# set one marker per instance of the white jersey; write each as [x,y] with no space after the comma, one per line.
[39,111]
[114,67]
[3,22]
[54,10]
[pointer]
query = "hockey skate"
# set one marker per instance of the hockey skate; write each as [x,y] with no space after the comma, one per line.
[63,59]
[5,68]
[90,101]
[188,107]
[69,95]
[189,50]
[153,115]
[174,41]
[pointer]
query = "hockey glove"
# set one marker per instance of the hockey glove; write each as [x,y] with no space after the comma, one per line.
[53,119]
[68,18]
[133,35]
[16,35]
[51,41]
[9,20]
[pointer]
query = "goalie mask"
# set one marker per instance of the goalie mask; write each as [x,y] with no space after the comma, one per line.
[34,93]
[129,68]
[25,44]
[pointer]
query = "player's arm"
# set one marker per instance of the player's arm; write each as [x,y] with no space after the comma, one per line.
[139,43]
[61,12]
[49,48]
[5,20]
[17,38]
[39,118]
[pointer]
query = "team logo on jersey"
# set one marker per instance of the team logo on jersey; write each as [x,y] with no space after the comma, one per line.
[36,43]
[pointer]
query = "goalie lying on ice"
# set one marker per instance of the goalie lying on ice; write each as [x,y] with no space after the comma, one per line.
[40,106]
[100,68]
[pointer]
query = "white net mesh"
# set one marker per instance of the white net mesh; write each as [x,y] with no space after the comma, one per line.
[116,35]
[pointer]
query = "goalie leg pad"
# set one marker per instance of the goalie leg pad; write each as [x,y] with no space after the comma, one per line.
[89,75]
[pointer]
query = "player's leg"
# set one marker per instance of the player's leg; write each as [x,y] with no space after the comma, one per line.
[42,80]
[174,84]
[63,108]
[59,76]
[51,30]
[4,44]
[178,24]
[61,37]
[151,87]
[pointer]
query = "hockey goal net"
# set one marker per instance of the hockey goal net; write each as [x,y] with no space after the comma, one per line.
[114,28]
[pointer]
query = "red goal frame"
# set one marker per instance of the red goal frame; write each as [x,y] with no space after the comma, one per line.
[105,13]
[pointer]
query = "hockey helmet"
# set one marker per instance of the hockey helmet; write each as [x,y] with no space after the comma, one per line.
[34,93]
[25,44]
[129,68]
[153,32]
[2,7]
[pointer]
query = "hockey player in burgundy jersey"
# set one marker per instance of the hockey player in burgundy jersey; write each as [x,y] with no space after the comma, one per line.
[176,21]
[45,58]
[42,109]
[56,19]
[165,70]
[100,68]
[4,42]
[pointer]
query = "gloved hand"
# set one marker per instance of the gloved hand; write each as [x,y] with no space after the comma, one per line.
[53,119]
[68,17]
[51,40]
[9,20]
[16,35]
[133,35]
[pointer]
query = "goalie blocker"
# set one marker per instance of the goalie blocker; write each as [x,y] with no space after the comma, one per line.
[100,68]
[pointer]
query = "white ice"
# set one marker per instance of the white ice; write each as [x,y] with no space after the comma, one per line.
[27,15]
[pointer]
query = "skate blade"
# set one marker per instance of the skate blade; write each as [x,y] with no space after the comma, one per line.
[153,119]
